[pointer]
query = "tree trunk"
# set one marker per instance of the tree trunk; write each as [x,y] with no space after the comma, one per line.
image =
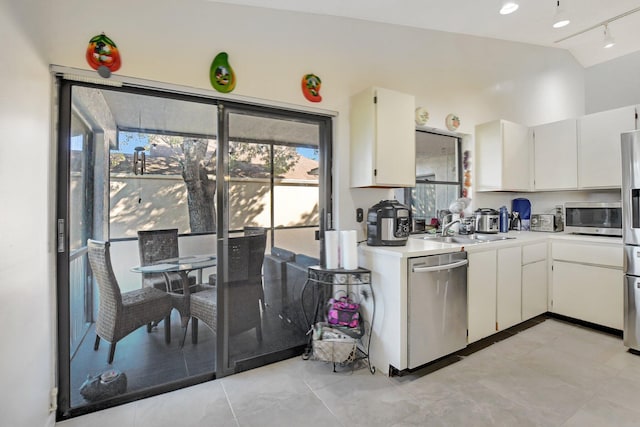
[200,189]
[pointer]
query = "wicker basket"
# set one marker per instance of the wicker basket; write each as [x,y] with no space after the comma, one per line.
[334,346]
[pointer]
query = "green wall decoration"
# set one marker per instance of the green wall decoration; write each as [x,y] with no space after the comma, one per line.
[221,75]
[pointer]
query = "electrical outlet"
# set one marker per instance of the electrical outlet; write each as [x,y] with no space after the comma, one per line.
[359,215]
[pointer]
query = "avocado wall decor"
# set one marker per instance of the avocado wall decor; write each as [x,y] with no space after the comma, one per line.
[221,75]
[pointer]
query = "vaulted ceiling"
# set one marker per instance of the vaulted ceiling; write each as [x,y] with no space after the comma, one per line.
[531,23]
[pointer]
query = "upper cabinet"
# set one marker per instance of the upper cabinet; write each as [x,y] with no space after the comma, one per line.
[599,162]
[502,157]
[382,139]
[555,147]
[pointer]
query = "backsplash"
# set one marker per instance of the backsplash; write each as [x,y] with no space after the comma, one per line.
[543,202]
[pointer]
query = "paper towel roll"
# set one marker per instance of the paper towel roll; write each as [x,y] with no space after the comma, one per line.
[349,249]
[332,249]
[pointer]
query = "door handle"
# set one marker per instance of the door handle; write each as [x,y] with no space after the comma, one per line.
[61,237]
[440,267]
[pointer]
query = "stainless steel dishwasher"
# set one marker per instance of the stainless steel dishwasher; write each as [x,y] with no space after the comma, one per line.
[437,307]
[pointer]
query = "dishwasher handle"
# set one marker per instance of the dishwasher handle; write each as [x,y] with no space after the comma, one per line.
[440,267]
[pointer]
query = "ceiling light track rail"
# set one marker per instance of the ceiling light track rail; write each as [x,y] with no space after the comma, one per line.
[603,23]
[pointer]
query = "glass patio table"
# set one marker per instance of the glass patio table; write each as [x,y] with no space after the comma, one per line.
[182,266]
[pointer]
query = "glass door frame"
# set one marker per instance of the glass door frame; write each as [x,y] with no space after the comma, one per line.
[62,112]
[325,123]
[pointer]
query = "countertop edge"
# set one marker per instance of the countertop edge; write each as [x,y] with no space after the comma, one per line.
[418,247]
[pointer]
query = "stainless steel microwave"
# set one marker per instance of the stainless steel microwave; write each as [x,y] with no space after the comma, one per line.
[601,218]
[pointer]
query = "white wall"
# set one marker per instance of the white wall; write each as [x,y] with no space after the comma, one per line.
[174,42]
[613,84]
[26,257]
[479,79]
[544,202]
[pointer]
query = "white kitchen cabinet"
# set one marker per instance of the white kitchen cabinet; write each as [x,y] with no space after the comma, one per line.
[587,282]
[481,294]
[509,287]
[599,161]
[382,139]
[534,280]
[589,293]
[555,147]
[389,281]
[502,157]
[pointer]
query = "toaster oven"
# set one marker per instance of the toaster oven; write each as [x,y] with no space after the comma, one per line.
[546,222]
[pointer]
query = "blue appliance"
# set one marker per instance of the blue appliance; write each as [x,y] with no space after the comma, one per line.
[523,207]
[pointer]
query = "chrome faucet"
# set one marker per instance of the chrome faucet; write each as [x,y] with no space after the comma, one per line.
[447,226]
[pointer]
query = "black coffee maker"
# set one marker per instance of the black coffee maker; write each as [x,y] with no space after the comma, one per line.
[388,224]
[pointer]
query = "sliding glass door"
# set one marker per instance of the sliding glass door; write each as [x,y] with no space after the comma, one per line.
[274,162]
[197,173]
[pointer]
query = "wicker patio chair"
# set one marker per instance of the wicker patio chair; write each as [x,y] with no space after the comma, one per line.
[248,231]
[155,246]
[243,291]
[119,313]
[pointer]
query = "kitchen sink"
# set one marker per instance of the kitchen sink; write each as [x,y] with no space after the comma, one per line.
[470,239]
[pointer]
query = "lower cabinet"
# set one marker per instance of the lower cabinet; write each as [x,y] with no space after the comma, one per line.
[587,282]
[509,288]
[534,280]
[481,294]
[590,293]
[505,287]
[534,289]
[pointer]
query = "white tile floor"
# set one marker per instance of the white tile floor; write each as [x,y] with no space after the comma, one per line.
[553,374]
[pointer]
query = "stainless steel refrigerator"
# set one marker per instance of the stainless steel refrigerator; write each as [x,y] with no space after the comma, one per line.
[631,237]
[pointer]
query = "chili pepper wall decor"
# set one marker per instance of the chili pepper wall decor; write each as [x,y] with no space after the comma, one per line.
[103,55]
[311,87]
[221,75]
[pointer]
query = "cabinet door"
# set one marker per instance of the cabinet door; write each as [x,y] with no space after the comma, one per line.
[590,293]
[362,145]
[534,289]
[396,139]
[509,287]
[383,142]
[599,162]
[488,155]
[502,156]
[515,159]
[481,294]
[556,155]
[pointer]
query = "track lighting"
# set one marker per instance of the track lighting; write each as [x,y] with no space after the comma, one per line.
[560,18]
[508,6]
[608,40]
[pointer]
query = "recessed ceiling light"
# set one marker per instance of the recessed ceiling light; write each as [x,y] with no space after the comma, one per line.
[560,18]
[508,7]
